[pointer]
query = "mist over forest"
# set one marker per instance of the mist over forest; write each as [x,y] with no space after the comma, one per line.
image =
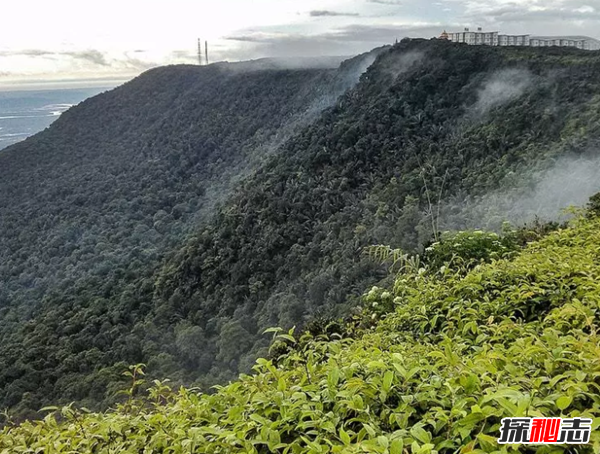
[172,220]
[544,194]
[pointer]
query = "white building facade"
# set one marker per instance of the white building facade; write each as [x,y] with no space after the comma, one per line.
[514,40]
[482,38]
[476,38]
[580,42]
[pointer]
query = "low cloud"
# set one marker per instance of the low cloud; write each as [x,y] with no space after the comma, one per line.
[262,37]
[569,14]
[347,40]
[502,87]
[542,194]
[184,55]
[30,65]
[257,45]
[327,13]
[386,2]
[397,64]
[92,56]
[520,13]
[382,33]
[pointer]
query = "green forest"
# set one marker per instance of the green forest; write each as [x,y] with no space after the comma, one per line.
[172,220]
[431,364]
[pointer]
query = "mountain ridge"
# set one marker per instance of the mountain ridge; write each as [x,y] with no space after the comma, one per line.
[433,363]
[88,207]
[113,261]
[351,180]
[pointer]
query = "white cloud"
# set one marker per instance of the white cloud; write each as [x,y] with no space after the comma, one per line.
[72,38]
[538,11]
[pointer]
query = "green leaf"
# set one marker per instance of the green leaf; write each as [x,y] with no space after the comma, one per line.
[563,402]
[287,337]
[272,330]
[388,378]
[50,408]
[383,441]
[420,434]
[333,377]
[376,365]
[397,446]
[487,440]
[344,437]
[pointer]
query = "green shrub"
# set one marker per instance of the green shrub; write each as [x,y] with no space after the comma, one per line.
[594,205]
[514,337]
[466,249]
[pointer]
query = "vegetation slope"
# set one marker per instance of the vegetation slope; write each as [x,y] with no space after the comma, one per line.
[431,366]
[109,257]
[430,121]
[89,207]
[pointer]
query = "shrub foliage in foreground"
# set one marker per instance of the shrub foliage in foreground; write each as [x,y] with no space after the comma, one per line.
[459,351]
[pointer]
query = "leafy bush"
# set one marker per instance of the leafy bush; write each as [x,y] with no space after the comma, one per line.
[594,205]
[511,338]
[466,249]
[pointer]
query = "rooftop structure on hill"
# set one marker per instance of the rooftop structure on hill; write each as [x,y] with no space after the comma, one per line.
[494,38]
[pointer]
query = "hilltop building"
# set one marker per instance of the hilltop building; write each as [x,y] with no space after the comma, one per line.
[475,38]
[482,38]
[580,42]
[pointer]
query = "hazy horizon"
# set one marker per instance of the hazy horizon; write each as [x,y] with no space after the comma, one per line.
[67,40]
[65,84]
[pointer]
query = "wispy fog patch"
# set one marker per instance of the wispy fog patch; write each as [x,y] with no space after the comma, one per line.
[364,62]
[348,73]
[386,2]
[262,64]
[542,194]
[347,76]
[502,87]
[398,64]
[327,13]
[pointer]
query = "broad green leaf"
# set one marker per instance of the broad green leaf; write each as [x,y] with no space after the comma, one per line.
[563,402]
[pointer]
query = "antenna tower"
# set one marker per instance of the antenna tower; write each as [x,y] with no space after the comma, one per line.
[199,51]
[206,51]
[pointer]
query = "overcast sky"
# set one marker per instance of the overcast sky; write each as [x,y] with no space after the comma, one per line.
[82,39]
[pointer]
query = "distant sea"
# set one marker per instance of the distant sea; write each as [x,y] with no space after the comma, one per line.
[24,113]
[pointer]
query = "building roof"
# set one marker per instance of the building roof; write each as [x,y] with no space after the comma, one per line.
[475,31]
[571,38]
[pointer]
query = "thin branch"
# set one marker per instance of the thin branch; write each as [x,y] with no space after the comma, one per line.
[435,235]
[439,207]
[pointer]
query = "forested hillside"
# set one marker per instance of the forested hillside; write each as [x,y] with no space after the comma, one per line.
[431,365]
[89,207]
[429,121]
[110,255]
